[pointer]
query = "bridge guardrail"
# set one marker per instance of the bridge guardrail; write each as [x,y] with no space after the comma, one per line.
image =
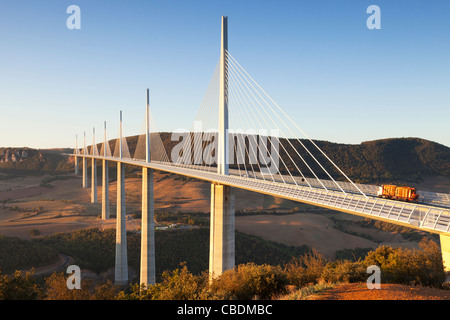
[429,218]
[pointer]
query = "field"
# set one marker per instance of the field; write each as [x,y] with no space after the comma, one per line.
[35,206]
[49,204]
[63,205]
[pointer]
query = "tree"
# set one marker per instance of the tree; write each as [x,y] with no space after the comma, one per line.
[179,284]
[56,289]
[247,281]
[417,267]
[19,287]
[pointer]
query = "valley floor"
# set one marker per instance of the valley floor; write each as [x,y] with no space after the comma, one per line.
[359,291]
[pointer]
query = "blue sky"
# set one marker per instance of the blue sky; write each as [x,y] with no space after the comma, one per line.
[317,59]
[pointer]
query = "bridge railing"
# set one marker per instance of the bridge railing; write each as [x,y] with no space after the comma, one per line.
[416,215]
[433,219]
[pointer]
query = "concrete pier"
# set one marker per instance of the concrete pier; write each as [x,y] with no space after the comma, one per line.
[94,170]
[105,191]
[121,269]
[76,158]
[105,179]
[94,181]
[147,275]
[85,173]
[76,166]
[445,249]
[222,230]
[147,229]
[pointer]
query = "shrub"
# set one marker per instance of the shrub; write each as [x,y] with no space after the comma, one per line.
[305,269]
[248,281]
[344,271]
[17,254]
[417,267]
[179,284]
[19,287]
[34,232]
[56,289]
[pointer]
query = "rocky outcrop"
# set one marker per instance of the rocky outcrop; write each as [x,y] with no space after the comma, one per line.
[19,155]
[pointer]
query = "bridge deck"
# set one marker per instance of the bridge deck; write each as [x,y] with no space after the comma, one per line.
[427,217]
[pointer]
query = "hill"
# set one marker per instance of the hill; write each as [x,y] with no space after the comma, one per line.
[378,161]
[407,159]
[38,161]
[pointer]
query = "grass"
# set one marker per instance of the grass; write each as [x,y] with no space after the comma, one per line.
[307,292]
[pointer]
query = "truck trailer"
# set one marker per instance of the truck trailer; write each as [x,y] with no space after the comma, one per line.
[394,192]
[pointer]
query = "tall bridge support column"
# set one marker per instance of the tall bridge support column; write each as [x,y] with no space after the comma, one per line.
[94,181]
[445,249]
[147,230]
[76,158]
[222,233]
[222,244]
[85,173]
[76,166]
[121,269]
[105,191]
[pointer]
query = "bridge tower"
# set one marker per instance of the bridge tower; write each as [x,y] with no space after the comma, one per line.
[147,275]
[121,268]
[222,233]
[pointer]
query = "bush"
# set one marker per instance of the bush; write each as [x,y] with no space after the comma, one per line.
[56,289]
[404,266]
[305,269]
[34,232]
[344,271]
[248,281]
[179,284]
[19,287]
[17,254]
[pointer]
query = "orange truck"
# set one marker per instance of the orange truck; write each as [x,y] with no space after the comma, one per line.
[398,193]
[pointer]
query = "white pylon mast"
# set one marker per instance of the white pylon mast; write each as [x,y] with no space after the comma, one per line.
[105,153]
[93,142]
[120,135]
[147,129]
[223,150]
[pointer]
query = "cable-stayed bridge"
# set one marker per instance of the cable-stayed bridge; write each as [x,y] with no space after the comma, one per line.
[242,139]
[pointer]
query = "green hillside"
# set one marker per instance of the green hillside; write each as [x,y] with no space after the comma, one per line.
[407,159]
[27,160]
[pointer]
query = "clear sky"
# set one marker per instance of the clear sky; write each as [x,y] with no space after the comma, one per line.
[317,59]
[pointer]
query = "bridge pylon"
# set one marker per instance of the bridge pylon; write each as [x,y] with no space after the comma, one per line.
[121,268]
[222,233]
[147,272]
